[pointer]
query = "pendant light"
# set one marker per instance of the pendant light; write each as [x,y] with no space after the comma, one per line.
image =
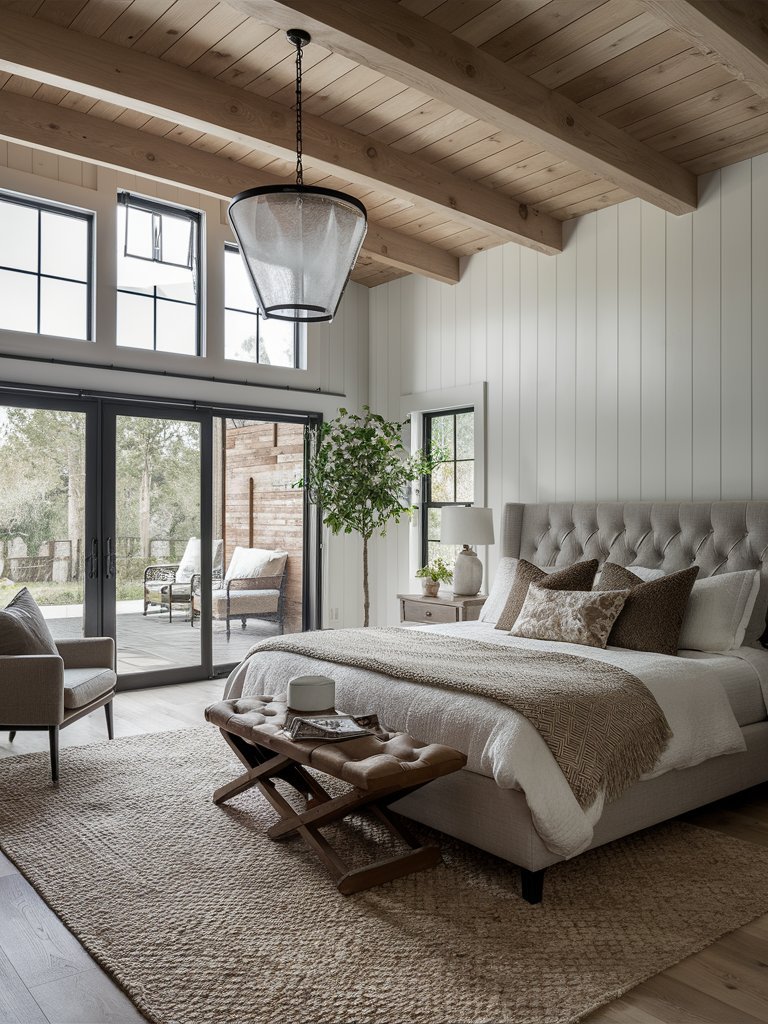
[299,243]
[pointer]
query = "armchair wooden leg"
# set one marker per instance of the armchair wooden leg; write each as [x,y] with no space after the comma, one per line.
[11,734]
[53,736]
[110,723]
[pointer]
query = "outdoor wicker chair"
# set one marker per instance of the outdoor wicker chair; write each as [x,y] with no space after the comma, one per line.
[170,584]
[254,596]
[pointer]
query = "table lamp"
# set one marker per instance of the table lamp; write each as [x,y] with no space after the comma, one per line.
[466,525]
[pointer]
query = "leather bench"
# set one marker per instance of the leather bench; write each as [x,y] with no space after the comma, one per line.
[379,768]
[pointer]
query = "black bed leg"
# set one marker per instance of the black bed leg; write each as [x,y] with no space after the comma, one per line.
[533,885]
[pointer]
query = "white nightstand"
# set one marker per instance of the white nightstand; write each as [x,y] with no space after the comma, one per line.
[417,608]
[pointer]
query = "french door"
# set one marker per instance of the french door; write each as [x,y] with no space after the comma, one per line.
[124,519]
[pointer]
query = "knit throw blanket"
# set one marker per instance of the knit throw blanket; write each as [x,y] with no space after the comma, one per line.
[602,724]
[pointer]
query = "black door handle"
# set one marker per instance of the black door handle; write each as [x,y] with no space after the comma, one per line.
[109,560]
[92,560]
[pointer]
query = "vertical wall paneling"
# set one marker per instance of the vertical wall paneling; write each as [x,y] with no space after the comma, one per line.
[632,365]
[607,357]
[652,353]
[509,441]
[586,356]
[679,412]
[478,276]
[529,374]
[546,407]
[628,344]
[565,370]
[434,325]
[495,367]
[705,342]
[760,326]
[736,336]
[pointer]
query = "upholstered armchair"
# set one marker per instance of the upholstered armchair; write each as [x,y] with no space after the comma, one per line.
[253,588]
[50,691]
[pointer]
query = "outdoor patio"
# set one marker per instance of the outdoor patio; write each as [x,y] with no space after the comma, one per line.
[152,643]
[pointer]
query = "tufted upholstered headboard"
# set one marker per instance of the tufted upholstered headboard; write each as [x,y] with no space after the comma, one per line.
[718,536]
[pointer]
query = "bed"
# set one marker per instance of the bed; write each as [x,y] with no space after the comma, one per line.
[715,703]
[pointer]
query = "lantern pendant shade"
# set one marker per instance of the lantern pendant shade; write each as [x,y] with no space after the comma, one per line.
[299,244]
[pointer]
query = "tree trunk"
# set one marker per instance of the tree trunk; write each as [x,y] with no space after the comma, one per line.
[144,510]
[75,504]
[366,598]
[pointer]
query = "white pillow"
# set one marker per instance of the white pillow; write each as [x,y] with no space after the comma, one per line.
[248,563]
[645,574]
[502,584]
[719,610]
[190,561]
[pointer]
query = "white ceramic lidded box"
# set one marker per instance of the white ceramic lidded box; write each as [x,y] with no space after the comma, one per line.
[311,693]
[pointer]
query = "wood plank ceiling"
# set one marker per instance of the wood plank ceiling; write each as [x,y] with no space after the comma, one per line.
[439,181]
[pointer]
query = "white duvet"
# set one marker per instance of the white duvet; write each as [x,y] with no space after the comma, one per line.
[501,743]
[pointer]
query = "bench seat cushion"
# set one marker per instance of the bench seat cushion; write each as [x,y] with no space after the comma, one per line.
[245,602]
[377,762]
[82,685]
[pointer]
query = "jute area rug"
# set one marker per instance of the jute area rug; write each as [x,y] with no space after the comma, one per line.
[202,920]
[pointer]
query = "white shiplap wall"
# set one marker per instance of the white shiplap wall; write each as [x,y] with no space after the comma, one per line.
[632,366]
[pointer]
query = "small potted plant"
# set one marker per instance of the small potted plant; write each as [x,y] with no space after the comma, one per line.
[432,575]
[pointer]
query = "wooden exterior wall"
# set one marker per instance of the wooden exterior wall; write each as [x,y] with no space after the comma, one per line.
[272,455]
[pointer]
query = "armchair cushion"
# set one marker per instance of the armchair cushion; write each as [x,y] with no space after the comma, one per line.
[82,685]
[245,602]
[23,629]
[249,563]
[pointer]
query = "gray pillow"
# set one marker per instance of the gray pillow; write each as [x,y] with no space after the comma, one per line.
[578,576]
[23,629]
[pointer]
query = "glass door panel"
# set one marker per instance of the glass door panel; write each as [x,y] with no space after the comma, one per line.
[152,550]
[44,540]
[256,510]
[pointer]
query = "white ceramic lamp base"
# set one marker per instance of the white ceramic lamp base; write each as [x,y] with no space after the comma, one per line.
[467,573]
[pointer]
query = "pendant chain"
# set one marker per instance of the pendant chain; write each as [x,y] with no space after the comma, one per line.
[299,167]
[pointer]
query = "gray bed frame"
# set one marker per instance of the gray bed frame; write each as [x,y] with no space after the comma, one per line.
[723,536]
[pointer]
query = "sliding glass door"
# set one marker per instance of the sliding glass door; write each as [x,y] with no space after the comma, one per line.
[180,533]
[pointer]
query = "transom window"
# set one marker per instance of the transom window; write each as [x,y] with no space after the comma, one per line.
[452,482]
[158,283]
[248,336]
[45,268]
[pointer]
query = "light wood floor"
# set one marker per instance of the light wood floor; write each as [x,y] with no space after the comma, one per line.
[46,977]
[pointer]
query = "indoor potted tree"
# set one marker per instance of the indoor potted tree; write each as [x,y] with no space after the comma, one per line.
[360,474]
[432,575]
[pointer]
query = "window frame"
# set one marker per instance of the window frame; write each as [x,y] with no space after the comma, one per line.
[61,210]
[426,481]
[233,247]
[159,207]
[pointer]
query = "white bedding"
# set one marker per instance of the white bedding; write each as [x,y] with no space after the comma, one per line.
[503,745]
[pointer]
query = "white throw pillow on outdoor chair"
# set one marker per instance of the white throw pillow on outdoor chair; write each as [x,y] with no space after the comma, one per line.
[250,563]
[190,560]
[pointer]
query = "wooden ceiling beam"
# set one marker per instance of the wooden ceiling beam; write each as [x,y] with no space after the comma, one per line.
[735,32]
[36,49]
[62,130]
[401,45]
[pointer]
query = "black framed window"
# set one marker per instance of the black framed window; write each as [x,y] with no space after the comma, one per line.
[158,276]
[452,482]
[46,261]
[248,336]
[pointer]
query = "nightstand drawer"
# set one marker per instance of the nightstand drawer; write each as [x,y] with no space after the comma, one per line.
[421,611]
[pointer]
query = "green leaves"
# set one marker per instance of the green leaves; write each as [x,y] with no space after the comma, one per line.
[360,472]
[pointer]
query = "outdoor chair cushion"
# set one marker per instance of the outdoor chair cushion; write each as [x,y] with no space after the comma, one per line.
[158,586]
[245,602]
[190,560]
[82,685]
[23,629]
[249,563]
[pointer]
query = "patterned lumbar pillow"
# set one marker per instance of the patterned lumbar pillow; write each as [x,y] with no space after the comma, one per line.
[574,577]
[23,629]
[569,616]
[653,613]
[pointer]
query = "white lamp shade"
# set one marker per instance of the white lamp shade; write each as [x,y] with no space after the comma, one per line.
[299,245]
[462,525]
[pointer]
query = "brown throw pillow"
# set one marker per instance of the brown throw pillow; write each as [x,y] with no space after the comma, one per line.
[653,613]
[569,616]
[23,629]
[575,577]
